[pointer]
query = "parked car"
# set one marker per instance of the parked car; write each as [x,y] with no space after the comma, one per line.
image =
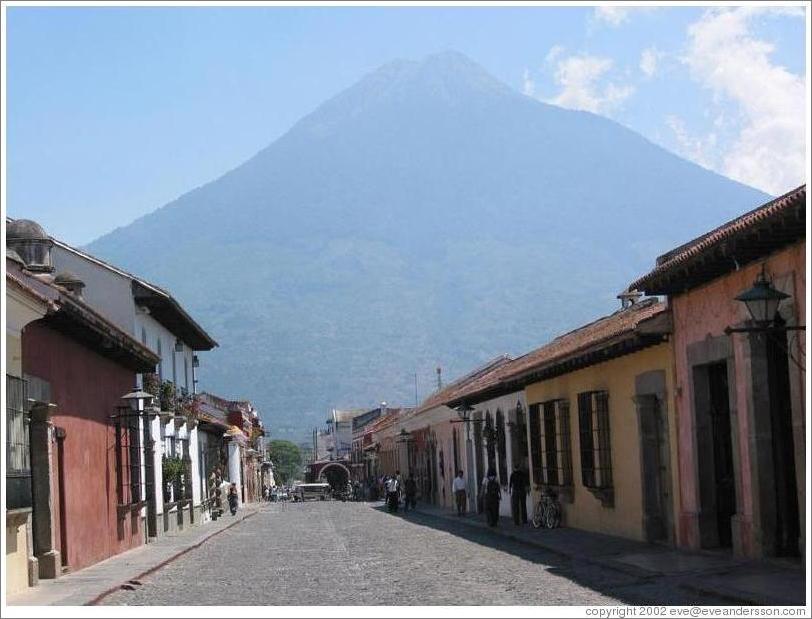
[317,491]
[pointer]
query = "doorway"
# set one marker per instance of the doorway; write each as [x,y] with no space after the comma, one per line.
[656,470]
[787,521]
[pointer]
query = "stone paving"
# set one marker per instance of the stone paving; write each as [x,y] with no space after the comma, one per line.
[333,553]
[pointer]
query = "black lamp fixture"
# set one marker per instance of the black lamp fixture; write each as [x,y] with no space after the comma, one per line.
[178,345]
[463,413]
[404,436]
[762,301]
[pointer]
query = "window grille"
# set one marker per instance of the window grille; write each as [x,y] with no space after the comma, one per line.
[18,441]
[534,421]
[128,460]
[556,457]
[501,447]
[593,428]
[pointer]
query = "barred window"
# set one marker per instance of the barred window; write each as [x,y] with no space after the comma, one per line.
[556,457]
[128,461]
[501,447]
[18,452]
[534,421]
[593,429]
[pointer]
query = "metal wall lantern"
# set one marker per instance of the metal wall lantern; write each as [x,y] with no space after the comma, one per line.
[463,413]
[762,301]
[404,436]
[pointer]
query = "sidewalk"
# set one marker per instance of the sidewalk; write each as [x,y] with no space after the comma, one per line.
[88,586]
[739,580]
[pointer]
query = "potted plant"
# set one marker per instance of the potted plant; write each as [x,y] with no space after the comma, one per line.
[189,408]
[167,396]
[172,468]
[152,385]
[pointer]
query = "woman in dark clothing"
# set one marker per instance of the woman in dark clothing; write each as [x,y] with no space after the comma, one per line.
[493,494]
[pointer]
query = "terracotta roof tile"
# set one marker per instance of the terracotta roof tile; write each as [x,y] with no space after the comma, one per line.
[593,335]
[684,253]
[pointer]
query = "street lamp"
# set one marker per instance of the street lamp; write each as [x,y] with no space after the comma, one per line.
[138,400]
[464,413]
[762,300]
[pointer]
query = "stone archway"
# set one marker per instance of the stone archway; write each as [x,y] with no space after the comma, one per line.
[335,474]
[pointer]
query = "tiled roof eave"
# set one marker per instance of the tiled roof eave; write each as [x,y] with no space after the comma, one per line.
[600,352]
[753,236]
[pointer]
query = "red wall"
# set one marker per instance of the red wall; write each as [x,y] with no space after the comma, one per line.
[705,312]
[86,387]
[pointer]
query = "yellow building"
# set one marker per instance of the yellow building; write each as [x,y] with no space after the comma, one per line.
[601,427]
[22,307]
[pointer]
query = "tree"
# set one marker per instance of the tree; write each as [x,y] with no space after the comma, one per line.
[287,460]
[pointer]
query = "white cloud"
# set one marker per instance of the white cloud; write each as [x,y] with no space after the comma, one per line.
[614,16]
[583,87]
[699,150]
[648,61]
[724,56]
[555,52]
[528,85]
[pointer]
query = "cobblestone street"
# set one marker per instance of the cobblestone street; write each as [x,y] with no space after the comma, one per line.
[334,553]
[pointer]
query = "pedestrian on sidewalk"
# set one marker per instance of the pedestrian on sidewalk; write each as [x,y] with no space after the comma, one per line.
[460,495]
[411,494]
[493,494]
[232,498]
[518,495]
[392,493]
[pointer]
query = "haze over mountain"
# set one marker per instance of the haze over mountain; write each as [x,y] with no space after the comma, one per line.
[428,215]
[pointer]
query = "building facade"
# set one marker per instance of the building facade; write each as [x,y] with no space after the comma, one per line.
[739,383]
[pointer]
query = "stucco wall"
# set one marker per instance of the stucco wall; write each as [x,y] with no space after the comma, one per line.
[617,377]
[704,313]
[16,556]
[107,292]
[86,388]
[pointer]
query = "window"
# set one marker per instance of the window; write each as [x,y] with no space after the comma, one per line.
[535,442]
[501,447]
[593,429]
[160,359]
[18,453]
[554,441]
[144,336]
[186,374]
[128,460]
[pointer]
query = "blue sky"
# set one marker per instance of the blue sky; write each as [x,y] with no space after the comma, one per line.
[113,112]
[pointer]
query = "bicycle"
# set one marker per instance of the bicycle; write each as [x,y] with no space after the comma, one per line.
[547,513]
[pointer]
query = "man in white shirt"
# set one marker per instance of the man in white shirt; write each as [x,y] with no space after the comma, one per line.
[392,493]
[458,487]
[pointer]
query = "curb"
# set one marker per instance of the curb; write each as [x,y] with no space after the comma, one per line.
[99,598]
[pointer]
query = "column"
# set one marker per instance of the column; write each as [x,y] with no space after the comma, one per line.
[234,472]
[42,490]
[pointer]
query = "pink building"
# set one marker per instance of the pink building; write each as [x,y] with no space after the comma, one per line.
[740,383]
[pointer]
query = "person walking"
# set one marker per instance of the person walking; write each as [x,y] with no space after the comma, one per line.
[392,493]
[460,495]
[493,494]
[233,500]
[410,494]
[518,495]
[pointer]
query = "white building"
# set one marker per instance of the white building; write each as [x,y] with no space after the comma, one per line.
[153,317]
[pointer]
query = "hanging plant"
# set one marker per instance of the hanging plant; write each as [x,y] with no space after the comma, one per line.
[173,468]
[167,396]
[152,384]
[190,407]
